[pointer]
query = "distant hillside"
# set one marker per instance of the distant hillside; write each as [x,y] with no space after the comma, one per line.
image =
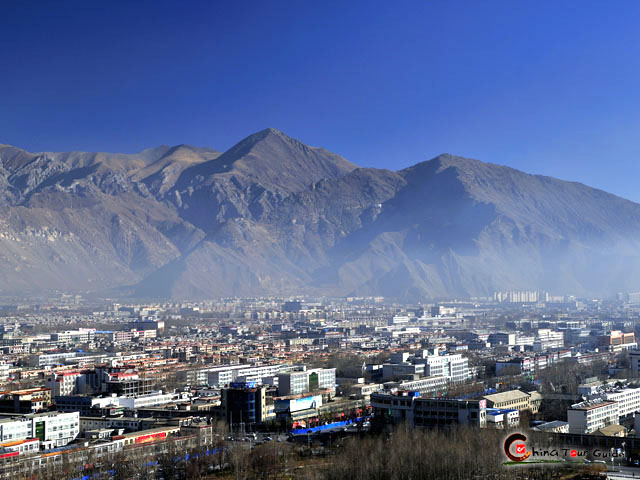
[274,216]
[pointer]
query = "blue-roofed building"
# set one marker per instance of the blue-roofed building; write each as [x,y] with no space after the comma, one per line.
[503,418]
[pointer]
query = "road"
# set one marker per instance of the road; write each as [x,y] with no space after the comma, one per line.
[624,473]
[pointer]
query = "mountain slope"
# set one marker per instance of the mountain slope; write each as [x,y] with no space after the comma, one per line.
[274,216]
[465,227]
[251,178]
[81,221]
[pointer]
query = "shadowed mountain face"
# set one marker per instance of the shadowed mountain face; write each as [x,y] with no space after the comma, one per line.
[274,216]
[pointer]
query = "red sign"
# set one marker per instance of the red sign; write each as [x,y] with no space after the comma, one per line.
[152,437]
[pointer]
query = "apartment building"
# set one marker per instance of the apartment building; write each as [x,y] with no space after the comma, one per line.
[547,339]
[150,400]
[437,412]
[427,386]
[409,407]
[53,429]
[617,341]
[297,382]
[85,405]
[221,376]
[30,400]
[67,383]
[245,403]
[82,335]
[454,367]
[628,400]
[590,416]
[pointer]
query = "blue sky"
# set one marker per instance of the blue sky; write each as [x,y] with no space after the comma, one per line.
[546,87]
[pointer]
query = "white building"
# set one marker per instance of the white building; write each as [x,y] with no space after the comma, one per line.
[67,383]
[53,429]
[54,358]
[628,400]
[221,376]
[502,419]
[297,382]
[293,383]
[547,339]
[427,386]
[455,368]
[27,446]
[82,335]
[151,400]
[4,371]
[587,417]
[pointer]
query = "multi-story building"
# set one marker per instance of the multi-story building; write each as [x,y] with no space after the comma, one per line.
[30,400]
[454,367]
[502,338]
[20,447]
[397,370]
[576,335]
[54,358]
[85,405]
[67,383]
[293,383]
[427,386]
[628,400]
[4,371]
[126,384]
[634,357]
[517,296]
[53,429]
[548,339]
[502,418]
[513,399]
[304,381]
[221,376]
[409,407]
[151,400]
[617,341]
[82,335]
[523,341]
[121,336]
[245,404]
[589,416]
[323,379]
[436,412]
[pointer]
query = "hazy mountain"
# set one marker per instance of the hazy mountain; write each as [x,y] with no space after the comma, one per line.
[272,215]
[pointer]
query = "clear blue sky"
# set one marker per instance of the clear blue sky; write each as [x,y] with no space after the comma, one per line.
[547,87]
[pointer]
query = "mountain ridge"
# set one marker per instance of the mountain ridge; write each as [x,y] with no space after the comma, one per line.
[272,215]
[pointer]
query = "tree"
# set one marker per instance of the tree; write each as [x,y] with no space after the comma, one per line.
[267,462]
[169,461]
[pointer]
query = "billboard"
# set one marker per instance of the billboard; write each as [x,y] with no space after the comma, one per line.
[151,437]
[297,404]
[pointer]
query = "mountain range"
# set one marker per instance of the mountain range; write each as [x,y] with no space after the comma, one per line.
[272,215]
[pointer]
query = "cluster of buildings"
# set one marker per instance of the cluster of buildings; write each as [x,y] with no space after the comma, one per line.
[126,375]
